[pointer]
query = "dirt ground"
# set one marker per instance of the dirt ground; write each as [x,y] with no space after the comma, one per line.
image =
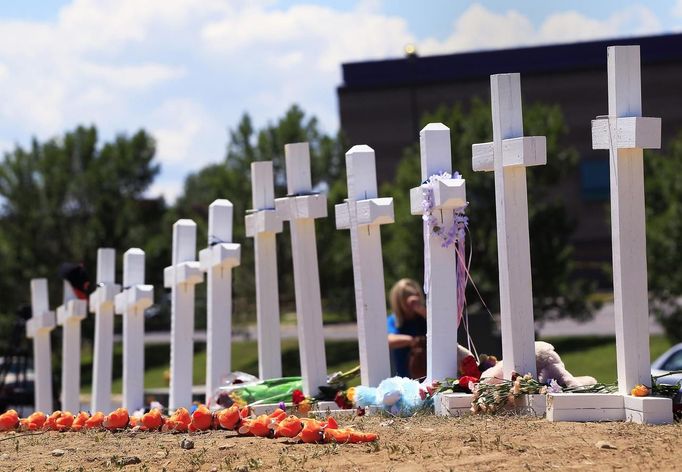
[477,443]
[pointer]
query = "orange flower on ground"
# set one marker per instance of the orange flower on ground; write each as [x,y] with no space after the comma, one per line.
[179,421]
[201,419]
[117,419]
[289,427]
[640,391]
[312,432]
[64,421]
[152,420]
[95,421]
[34,421]
[79,421]
[9,420]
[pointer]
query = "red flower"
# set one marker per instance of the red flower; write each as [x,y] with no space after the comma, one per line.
[342,401]
[469,367]
[297,397]
[464,381]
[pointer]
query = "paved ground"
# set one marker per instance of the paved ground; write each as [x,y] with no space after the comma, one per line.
[601,325]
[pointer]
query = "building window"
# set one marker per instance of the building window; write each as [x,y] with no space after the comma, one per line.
[594,179]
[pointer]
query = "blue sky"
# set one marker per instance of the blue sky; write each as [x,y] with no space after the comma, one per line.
[186,70]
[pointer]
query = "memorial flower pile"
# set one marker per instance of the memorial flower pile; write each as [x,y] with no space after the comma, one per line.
[276,424]
[301,402]
[492,397]
[251,391]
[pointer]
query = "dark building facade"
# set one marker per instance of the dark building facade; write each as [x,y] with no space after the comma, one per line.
[381,103]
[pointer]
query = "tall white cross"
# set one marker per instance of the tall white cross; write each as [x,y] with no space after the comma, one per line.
[217,260]
[441,285]
[38,328]
[508,156]
[69,317]
[301,208]
[363,213]
[102,305]
[131,303]
[181,278]
[625,133]
[263,224]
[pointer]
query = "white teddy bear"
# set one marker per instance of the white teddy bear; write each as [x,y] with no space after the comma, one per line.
[548,365]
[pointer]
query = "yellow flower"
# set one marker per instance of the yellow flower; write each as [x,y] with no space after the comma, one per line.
[350,394]
[640,391]
[305,406]
[237,400]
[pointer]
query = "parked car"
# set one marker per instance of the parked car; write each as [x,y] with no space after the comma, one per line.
[671,360]
[16,383]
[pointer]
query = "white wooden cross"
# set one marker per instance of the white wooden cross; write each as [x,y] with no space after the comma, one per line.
[263,224]
[69,317]
[508,156]
[625,133]
[441,285]
[38,328]
[131,303]
[363,213]
[102,305]
[300,208]
[181,278]
[217,260]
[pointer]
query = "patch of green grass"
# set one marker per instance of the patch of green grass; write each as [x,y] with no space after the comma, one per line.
[585,355]
[596,355]
[341,355]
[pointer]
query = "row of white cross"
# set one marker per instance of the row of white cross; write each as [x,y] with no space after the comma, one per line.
[624,133]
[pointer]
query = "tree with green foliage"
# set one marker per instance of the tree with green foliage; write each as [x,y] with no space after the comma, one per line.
[664,232]
[231,179]
[555,292]
[64,198]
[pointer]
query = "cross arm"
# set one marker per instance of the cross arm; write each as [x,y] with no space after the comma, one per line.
[104,294]
[373,211]
[523,151]
[138,297]
[227,255]
[43,322]
[301,206]
[447,194]
[262,221]
[630,132]
[72,310]
[187,273]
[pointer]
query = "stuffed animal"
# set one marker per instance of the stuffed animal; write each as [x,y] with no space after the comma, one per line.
[548,365]
[398,395]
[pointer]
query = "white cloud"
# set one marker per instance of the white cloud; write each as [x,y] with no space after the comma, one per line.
[5,146]
[131,76]
[168,189]
[180,123]
[480,28]
[186,70]
[325,36]
[677,9]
